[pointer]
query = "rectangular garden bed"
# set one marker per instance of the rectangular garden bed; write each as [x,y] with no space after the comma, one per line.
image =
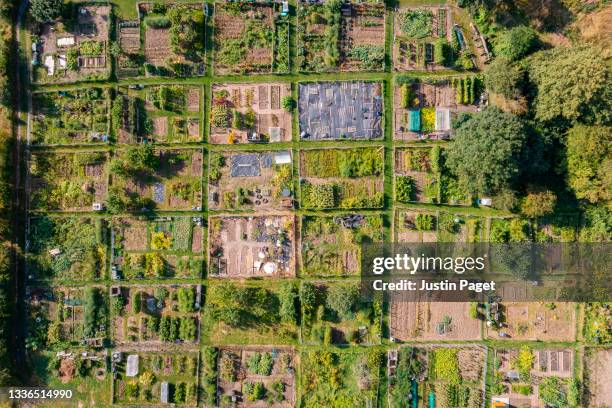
[156,314]
[251,312]
[152,378]
[340,110]
[250,180]
[76,54]
[251,113]
[149,178]
[163,114]
[67,248]
[163,247]
[336,36]
[331,246]
[166,40]
[252,246]
[342,178]
[80,116]
[248,376]
[67,181]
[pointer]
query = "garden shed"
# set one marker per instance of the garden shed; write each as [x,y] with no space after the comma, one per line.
[283,157]
[442,119]
[163,392]
[132,365]
[415,120]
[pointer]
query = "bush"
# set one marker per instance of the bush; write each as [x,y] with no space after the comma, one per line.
[288,103]
[342,299]
[538,203]
[253,391]
[405,189]
[318,195]
[424,222]
[441,51]
[516,43]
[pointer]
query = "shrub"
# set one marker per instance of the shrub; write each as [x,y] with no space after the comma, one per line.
[186,299]
[318,195]
[424,222]
[517,42]
[405,189]
[288,103]
[253,390]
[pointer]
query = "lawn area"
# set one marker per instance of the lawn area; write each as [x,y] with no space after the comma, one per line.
[251,313]
[87,377]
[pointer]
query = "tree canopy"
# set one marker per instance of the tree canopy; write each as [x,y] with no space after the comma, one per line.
[589,160]
[516,43]
[45,11]
[504,77]
[486,154]
[572,84]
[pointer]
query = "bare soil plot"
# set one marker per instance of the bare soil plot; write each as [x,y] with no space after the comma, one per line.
[156,314]
[272,367]
[64,55]
[411,319]
[358,30]
[423,110]
[340,110]
[67,181]
[599,375]
[163,114]
[538,321]
[80,116]
[331,246]
[175,183]
[244,247]
[250,113]
[164,247]
[257,180]
[244,37]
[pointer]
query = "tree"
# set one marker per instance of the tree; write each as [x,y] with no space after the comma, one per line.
[589,158]
[487,152]
[503,77]
[573,84]
[287,103]
[538,202]
[516,43]
[342,299]
[45,11]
